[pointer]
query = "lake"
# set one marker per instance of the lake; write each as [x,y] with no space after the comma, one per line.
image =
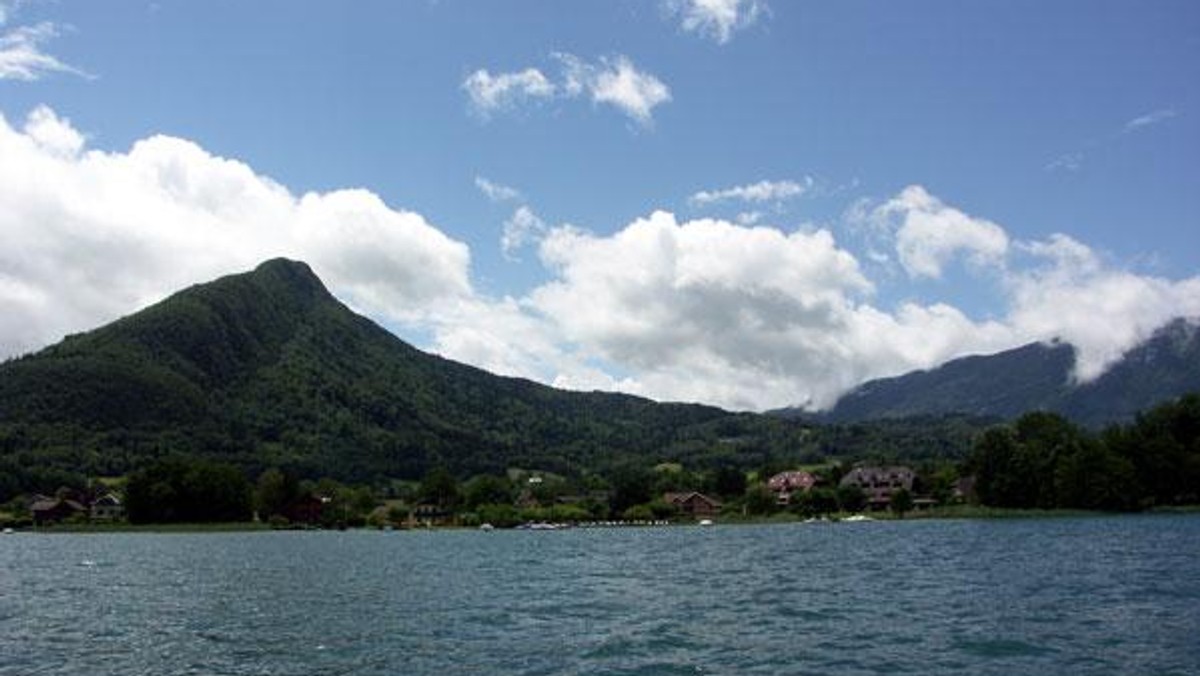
[1096,595]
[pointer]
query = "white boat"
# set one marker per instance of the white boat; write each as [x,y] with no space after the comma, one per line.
[858,517]
[487,526]
[706,522]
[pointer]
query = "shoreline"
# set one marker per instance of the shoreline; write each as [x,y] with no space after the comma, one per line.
[959,512]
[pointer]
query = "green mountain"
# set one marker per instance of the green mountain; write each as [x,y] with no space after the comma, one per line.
[1037,377]
[267,369]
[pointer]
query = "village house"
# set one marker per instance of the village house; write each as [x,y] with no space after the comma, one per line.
[47,511]
[784,484]
[693,504]
[878,483]
[964,489]
[107,507]
[426,515]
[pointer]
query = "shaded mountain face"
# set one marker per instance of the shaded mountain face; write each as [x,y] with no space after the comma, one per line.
[267,369]
[1001,385]
[1037,377]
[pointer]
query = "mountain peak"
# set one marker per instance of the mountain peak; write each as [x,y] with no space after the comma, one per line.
[284,274]
[283,265]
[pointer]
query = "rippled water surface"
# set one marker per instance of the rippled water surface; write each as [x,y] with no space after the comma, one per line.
[1092,595]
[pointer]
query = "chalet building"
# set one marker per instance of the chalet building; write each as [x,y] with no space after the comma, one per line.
[53,510]
[693,504]
[878,483]
[428,515]
[785,484]
[107,507]
[964,489]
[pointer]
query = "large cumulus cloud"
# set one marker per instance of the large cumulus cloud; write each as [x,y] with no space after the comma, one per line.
[748,317]
[701,310]
[91,235]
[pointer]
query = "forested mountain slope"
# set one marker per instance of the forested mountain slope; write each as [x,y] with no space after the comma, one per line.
[267,368]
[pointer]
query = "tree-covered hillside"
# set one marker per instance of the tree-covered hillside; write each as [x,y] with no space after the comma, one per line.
[268,369]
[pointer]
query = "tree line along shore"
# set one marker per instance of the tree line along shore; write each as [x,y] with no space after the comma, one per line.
[1038,463]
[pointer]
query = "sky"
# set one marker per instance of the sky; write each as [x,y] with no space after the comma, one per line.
[747,203]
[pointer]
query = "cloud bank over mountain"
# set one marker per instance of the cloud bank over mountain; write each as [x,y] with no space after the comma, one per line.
[702,309]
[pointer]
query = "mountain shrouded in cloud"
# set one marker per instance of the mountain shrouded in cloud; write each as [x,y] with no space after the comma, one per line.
[703,310]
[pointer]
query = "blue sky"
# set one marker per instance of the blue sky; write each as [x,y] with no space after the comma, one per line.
[750,203]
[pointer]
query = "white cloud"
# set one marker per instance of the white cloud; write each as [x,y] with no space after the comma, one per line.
[1066,162]
[1073,161]
[92,235]
[610,81]
[496,192]
[929,233]
[707,310]
[717,19]
[619,83]
[53,135]
[1149,119]
[522,228]
[489,92]
[763,191]
[749,217]
[704,310]
[22,56]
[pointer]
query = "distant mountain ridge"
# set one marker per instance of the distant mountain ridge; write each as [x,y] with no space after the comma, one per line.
[1037,377]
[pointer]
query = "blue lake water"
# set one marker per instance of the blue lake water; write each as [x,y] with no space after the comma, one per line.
[1069,595]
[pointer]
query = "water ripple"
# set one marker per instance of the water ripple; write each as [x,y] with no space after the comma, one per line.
[1051,596]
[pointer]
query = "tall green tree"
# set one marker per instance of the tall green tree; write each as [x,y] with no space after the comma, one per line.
[1044,441]
[851,498]
[998,479]
[1095,477]
[439,487]
[1163,446]
[901,502]
[184,489]
[815,502]
[487,489]
[759,500]
[728,481]
[274,491]
[632,484]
